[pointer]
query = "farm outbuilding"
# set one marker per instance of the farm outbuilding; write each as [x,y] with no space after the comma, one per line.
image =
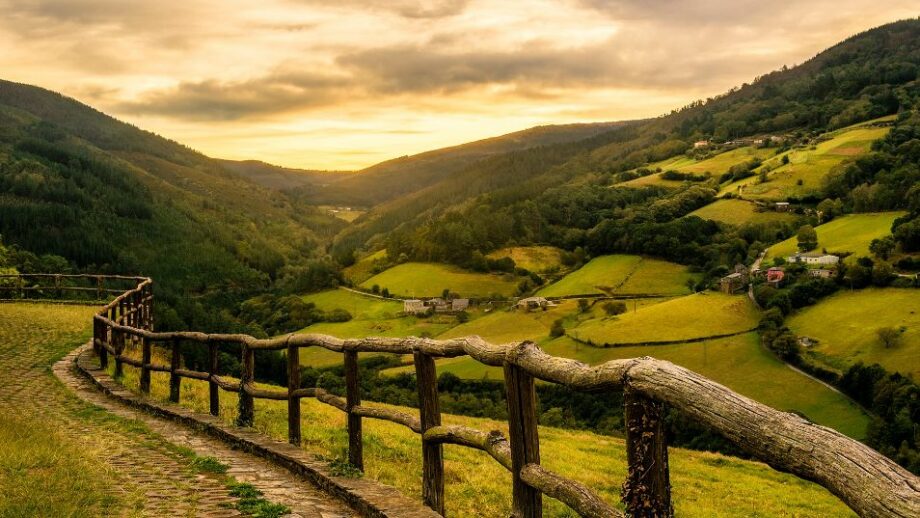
[414,307]
[733,283]
[534,303]
[813,258]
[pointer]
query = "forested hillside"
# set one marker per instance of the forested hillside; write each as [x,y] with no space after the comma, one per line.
[568,194]
[402,176]
[92,193]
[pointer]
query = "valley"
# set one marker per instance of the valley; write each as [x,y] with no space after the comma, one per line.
[766,238]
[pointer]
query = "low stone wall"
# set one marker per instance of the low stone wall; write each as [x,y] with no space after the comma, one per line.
[367,497]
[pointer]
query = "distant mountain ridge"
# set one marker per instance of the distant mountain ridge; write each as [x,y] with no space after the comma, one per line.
[389,180]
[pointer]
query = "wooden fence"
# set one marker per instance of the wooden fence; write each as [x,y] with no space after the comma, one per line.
[868,482]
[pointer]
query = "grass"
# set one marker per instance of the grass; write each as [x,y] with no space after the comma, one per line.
[741,364]
[716,165]
[693,316]
[346,214]
[514,326]
[363,268]
[622,275]
[597,276]
[44,473]
[537,259]
[845,326]
[807,166]
[44,469]
[704,484]
[430,279]
[851,233]
[740,212]
[371,317]
[658,277]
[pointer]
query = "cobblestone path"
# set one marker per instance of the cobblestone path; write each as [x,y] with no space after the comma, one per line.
[148,468]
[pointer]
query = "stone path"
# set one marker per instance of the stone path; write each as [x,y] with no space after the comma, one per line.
[150,472]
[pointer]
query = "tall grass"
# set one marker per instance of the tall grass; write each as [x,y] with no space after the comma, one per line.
[705,484]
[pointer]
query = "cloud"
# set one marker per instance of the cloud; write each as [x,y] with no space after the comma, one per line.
[222,101]
[404,8]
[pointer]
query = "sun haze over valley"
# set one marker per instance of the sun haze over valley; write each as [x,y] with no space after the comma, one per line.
[596,258]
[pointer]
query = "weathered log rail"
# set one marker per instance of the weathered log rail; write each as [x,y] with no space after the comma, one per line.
[871,484]
[53,286]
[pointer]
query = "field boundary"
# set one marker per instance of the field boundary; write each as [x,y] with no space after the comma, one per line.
[367,497]
[607,345]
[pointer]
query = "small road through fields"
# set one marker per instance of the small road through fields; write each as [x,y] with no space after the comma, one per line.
[146,463]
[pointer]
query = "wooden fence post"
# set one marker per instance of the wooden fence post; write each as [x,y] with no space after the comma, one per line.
[145,365]
[293,362]
[22,287]
[150,307]
[527,502]
[246,416]
[213,389]
[97,335]
[118,341]
[103,352]
[100,287]
[175,382]
[353,399]
[430,416]
[647,489]
[58,288]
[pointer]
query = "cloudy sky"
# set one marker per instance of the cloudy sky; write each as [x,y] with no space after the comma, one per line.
[341,84]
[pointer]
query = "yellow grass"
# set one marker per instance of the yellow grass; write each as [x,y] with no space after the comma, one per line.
[537,259]
[705,484]
[851,233]
[694,316]
[845,325]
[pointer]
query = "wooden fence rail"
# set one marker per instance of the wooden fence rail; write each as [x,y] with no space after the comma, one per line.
[870,483]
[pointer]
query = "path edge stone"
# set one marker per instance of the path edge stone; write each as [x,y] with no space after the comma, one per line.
[367,497]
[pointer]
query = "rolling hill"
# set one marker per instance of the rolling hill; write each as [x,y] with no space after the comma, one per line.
[109,197]
[551,194]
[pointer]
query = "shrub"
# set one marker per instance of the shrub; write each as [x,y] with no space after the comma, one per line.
[614,308]
[557,329]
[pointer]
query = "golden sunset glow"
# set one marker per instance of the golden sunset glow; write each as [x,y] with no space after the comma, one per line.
[342,85]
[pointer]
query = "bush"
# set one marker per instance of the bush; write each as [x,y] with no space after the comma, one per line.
[337,315]
[557,329]
[614,308]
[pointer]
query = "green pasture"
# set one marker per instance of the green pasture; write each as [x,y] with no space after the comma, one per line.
[846,324]
[740,212]
[430,279]
[851,233]
[537,259]
[693,316]
[622,275]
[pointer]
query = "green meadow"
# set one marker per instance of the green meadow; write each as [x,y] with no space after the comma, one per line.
[740,212]
[371,316]
[537,259]
[600,275]
[362,270]
[430,279]
[690,317]
[704,484]
[738,362]
[808,165]
[622,275]
[717,164]
[851,233]
[845,326]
